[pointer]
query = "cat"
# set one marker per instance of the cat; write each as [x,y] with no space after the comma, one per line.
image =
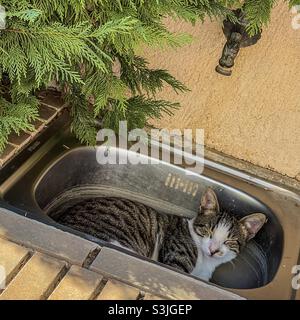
[196,246]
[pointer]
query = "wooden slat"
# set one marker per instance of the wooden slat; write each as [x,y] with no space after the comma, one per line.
[78,284]
[12,256]
[115,290]
[35,279]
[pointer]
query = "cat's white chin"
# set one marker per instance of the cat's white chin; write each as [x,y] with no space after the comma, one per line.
[206,266]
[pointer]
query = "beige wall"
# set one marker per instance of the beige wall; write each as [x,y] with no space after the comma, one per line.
[253,115]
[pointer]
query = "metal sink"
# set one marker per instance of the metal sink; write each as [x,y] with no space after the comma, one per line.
[60,172]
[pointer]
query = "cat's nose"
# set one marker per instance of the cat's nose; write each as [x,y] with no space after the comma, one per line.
[213,250]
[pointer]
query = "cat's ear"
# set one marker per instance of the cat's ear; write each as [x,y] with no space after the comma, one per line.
[252,224]
[209,203]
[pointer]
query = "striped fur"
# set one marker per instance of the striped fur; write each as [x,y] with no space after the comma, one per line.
[195,246]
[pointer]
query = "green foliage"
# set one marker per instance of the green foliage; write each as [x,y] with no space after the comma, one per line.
[259,13]
[89,48]
[137,111]
[16,117]
[138,77]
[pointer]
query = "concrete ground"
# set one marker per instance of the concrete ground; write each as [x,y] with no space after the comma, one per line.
[253,115]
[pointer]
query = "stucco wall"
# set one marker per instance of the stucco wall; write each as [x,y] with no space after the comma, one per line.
[253,115]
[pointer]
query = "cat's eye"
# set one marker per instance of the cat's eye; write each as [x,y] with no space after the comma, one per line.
[231,242]
[233,245]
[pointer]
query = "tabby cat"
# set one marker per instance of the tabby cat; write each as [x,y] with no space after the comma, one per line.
[195,246]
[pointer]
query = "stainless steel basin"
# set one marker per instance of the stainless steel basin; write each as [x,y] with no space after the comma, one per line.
[62,172]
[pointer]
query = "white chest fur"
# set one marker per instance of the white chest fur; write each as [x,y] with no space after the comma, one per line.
[205,265]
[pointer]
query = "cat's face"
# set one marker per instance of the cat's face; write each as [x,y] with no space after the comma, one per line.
[221,235]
